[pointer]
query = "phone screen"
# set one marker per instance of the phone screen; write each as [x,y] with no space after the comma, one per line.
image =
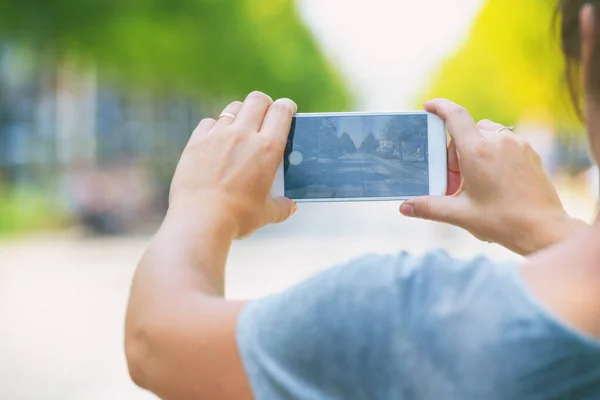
[357,157]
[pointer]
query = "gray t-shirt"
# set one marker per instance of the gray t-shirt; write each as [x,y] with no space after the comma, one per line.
[398,327]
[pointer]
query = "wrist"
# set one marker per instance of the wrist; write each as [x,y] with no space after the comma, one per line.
[207,217]
[198,239]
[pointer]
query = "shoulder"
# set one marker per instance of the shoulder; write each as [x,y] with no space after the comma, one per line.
[388,297]
[368,321]
[374,284]
[434,277]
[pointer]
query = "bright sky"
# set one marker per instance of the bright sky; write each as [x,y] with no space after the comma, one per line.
[387,49]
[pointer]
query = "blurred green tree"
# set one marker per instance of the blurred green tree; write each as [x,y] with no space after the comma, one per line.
[213,49]
[510,67]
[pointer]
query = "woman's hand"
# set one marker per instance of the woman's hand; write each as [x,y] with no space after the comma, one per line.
[227,169]
[497,187]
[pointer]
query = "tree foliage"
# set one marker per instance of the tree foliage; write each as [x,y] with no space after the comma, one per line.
[405,128]
[369,144]
[208,48]
[346,144]
[510,67]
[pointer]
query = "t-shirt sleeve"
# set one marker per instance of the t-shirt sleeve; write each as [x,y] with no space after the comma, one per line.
[338,335]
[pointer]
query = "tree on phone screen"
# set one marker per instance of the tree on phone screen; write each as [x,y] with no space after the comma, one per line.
[370,144]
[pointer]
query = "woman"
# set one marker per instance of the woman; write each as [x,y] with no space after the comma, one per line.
[393,327]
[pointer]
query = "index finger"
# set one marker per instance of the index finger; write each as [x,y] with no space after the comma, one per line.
[461,126]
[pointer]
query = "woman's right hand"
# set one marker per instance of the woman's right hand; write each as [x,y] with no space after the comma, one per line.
[498,188]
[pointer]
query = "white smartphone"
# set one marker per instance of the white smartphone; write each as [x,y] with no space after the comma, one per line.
[363,157]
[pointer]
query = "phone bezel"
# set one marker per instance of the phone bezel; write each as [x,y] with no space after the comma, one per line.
[437,150]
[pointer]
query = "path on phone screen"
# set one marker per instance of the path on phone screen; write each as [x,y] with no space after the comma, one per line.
[357,175]
[63,298]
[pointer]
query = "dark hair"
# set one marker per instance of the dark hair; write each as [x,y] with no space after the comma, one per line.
[567,13]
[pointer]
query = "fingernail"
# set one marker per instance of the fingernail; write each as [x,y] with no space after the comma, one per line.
[294,209]
[407,210]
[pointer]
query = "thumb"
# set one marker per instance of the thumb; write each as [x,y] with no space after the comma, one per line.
[447,209]
[280,209]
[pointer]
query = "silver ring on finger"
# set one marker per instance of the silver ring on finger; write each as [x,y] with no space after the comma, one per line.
[506,128]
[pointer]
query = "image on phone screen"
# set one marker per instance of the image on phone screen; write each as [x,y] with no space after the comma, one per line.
[357,157]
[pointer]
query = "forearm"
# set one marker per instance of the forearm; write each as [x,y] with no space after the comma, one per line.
[192,244]
[186,257]
[176,300]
